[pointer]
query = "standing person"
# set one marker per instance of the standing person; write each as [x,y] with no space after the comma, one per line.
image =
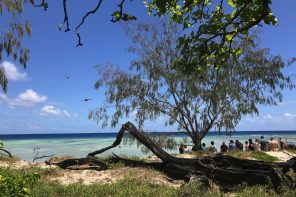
[239,145]
[212,147]
[223,147]
[181,148]
[257,145]
[246,146]
[281,144]
[232,145]
[251,145]
[263,143]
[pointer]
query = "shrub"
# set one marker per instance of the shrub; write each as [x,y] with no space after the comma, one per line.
[15,184]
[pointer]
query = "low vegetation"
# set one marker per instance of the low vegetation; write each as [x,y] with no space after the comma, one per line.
[34,181]
[22,183]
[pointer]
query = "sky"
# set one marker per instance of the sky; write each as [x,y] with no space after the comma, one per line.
[47,96]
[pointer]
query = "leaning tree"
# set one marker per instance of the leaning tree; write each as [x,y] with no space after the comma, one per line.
[197,102]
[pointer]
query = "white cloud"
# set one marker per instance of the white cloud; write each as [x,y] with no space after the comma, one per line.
[27,98]
[12,72]
[288,115]
[54,111]
[31,96]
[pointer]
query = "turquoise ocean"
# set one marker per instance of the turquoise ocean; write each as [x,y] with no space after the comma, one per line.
[80,144]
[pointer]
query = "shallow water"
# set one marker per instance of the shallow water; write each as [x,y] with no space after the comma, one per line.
[80,145]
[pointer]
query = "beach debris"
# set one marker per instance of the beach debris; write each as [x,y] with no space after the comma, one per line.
[79,164]
[36,150]
[2,149]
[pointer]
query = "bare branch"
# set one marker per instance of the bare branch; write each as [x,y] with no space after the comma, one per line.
[79,40]
[66,19]
[88,13]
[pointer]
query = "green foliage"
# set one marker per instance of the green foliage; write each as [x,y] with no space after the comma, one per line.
[212,27]
[196,102]
[12,33]
[16,185]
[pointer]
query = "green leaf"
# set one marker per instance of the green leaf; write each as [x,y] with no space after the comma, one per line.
[232,3]
[229,37]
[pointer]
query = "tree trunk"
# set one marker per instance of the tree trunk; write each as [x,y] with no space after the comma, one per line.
[224,170]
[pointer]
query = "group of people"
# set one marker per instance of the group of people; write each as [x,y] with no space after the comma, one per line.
[258,145]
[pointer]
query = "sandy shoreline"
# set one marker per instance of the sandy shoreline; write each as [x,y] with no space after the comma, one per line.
[87,177]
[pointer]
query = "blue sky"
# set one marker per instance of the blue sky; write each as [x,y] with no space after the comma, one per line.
[41,99]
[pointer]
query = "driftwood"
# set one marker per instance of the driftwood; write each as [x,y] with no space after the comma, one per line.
[6,151]
[79,164]
[226,171]
[41,157]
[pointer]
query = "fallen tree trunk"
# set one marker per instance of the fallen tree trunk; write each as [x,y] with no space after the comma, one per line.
[79,164]
[226,171]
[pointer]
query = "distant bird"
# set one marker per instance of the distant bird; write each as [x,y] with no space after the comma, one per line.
[85,100]
[67,76]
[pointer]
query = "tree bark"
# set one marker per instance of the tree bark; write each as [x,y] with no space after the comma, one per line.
[226,171]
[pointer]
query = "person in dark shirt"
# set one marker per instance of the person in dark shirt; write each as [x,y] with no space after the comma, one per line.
[263,143]
[239,145]
[251,145]
[181,148]
[223,148]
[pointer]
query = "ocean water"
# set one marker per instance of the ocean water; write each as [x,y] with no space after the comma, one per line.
[79,145]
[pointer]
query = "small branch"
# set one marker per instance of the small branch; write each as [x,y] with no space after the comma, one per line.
[79,40]
[6,151]
[83,20]
[43,156]
[66,19]
[88,13]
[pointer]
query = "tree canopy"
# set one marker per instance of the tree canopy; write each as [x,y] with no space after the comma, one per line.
[209,27]
[196,102]
[12,34]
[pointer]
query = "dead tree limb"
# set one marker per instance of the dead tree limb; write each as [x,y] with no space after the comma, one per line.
[79,164]
[41,157]
[226,171]
[6,151]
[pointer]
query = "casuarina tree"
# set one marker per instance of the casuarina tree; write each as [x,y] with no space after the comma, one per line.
[196,102]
